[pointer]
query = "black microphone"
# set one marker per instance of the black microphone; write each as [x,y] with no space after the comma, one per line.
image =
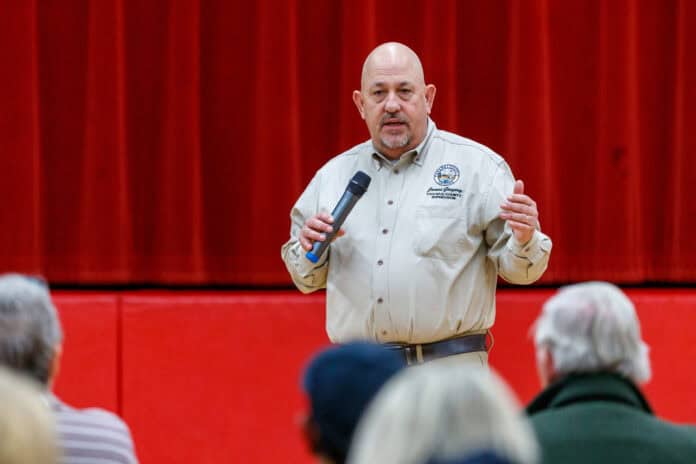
[356,187]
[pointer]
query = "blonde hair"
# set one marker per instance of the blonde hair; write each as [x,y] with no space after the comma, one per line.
[435,411]
[27,428]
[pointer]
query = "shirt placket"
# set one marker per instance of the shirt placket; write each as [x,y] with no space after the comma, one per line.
[393,181]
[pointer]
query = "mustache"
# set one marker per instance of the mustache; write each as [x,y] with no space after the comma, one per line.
[393,117]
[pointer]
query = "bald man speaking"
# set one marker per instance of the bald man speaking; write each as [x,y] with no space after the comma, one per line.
[415,264]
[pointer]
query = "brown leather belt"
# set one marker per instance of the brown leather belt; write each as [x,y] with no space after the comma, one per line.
[441,349]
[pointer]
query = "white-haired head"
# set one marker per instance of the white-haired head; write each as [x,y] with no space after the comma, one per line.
[30,332]
[591,327]
[435,411]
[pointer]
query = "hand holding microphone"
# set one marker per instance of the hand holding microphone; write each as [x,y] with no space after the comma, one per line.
[319,230]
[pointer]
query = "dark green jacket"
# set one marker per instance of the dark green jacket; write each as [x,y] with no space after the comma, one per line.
[603,418]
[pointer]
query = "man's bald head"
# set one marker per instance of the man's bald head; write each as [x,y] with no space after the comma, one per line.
[390,55]
[393,99]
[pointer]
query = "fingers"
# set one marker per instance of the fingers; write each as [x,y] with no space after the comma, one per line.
[520,209]
[315,229]
[520,226]
[522,218]
[521,213]
[522,231]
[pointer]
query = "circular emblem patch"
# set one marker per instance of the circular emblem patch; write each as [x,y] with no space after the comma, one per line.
[446,175]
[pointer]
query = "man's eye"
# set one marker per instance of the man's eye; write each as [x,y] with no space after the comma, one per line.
[405,91]
[377,93]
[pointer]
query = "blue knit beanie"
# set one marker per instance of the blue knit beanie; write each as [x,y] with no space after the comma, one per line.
[340,382]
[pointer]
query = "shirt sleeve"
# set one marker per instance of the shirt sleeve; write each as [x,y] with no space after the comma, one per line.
[307,276]
[515,262]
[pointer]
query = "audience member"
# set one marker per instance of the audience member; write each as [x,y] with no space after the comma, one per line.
[483,457]
[436,412]
[30,343]
[340,382]
[590,357]
[27,429]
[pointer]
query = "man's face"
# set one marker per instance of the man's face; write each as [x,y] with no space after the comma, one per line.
[395,104]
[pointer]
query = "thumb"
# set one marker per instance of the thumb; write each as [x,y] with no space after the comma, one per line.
[519,187]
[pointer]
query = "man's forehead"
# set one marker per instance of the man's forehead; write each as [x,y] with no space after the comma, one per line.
[392,74]
[391,82]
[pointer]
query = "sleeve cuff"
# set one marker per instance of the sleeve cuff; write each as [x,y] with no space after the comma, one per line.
[533,250]
[303,265]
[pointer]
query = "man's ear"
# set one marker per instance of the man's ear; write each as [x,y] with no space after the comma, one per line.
[55,363]
[430,92]
[358,100]
[545,366]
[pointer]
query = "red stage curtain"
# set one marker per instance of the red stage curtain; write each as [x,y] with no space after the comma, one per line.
[165,141]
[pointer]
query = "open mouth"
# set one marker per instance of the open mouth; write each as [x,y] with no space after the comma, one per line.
[393,123]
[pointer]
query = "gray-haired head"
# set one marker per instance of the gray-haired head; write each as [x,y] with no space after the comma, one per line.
[29,328]
[436,412]
[593,327]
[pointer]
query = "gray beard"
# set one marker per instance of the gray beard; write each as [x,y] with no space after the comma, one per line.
[398,143]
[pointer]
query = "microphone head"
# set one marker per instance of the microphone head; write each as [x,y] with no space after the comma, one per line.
[359,183]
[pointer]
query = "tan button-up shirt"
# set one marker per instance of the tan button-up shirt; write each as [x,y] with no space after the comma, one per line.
[423,246]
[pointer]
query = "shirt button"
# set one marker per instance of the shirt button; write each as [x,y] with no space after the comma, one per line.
[384,332]
[390,202]
[380,262]
[385,231]
[379,300]
[396,171]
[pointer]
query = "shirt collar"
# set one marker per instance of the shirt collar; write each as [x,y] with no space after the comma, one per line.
[416,156]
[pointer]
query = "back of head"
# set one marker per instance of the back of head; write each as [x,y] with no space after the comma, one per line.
[593,327]
[27,430]
[437,412]
[29,327]
[340,382]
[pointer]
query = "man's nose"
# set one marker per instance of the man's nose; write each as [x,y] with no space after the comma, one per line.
[392,104]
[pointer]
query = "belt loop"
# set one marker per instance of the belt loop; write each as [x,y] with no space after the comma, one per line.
[419,353]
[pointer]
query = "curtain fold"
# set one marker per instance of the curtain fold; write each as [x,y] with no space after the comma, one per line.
[165,142]
[21,183]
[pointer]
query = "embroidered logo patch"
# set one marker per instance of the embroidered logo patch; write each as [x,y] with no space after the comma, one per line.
[446,175]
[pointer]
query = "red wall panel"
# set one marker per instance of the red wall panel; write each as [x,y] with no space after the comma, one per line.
[89,372]
[211,379]
[215,377]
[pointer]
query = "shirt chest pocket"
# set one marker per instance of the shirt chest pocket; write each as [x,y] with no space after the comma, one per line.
[439,232]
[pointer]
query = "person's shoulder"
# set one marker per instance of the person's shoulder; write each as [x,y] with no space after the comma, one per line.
[348,155]
[87,417]
[468,146]
[347,158]
[678,433]
[103,433]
